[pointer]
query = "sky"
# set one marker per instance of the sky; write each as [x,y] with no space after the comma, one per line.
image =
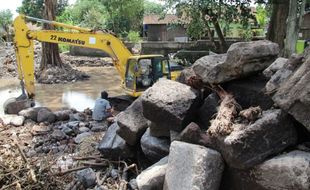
[13,4]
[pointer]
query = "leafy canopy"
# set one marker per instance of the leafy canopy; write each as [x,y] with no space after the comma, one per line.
[5,18]
[202,12]
[35,8]
[153,8]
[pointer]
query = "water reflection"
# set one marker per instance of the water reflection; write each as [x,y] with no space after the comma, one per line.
[79,95]
[77,100]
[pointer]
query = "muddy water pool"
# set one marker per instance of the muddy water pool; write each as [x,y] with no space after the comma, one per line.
[79,95]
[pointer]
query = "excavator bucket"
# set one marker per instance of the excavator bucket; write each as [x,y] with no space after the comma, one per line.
[15,105]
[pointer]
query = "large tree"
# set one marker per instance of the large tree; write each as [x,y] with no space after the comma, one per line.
[277,25]
[50,51]
[35,8]
[151,7]
[212,12]
[124,15]
[294,20]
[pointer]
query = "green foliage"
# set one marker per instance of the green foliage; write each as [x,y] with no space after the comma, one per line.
[124,15]
[133,36]
[153,8]
[196,28]
[35,8]
[261,16]
[212,11]
[5,22]
[120,16]
[63,48]
[5,18]
[246,33]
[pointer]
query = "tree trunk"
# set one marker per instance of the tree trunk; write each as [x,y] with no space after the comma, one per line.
[293,23]
[210,36]
[277,25]
[50,51]
[220,35]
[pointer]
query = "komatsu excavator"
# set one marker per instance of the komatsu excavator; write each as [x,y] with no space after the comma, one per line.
[137,72]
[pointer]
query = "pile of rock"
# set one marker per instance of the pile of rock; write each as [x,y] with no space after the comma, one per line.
[232,138]
[84,61]
[53,131]
[8,67]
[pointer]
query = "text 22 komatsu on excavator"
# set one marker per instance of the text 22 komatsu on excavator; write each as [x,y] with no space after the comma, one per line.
[137,72]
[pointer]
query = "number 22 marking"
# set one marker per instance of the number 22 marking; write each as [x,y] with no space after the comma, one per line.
[53,37]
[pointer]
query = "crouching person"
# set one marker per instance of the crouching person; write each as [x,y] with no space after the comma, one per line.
[103,110]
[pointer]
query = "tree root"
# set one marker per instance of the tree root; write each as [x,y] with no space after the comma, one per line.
[228,111]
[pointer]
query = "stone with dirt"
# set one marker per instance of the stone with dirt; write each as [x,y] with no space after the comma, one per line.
[286,171]
[292,96]
[82,137]
[62,74]
[242,59]
[63,115]
[170,104]
[157,130]
[132,124]
[13,120]
[194,135]
[193,167]
[87,177]
[153,177]
[30,113]
[154,148]
[46,115]
[41,129]
[275,66]
[273,132]
[283,74]
[15,105]
[208,110]
[113,146]
[58,135]
[174,135]
[185,75]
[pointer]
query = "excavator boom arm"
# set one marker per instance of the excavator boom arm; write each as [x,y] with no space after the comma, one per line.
[82,37]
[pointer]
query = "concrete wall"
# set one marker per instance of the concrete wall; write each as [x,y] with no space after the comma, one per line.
[156,47]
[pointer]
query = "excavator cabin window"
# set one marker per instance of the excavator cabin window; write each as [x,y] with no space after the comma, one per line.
[144,72]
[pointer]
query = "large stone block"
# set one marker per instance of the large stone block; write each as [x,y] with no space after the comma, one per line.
[30,113]
[283,74]
[242,59]
[46,115]
[287,171]
[170,104]
[208,110]
[275,66]
[247,146]
[132,123]
[193,167]
[153,177]
[154,148]
[13,120]
[113,146]
[293,95]
[15,105]
[158,130]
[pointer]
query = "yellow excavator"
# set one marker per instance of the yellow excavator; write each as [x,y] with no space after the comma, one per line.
[137,72]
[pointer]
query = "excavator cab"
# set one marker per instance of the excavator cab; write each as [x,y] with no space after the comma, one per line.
[143,71]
